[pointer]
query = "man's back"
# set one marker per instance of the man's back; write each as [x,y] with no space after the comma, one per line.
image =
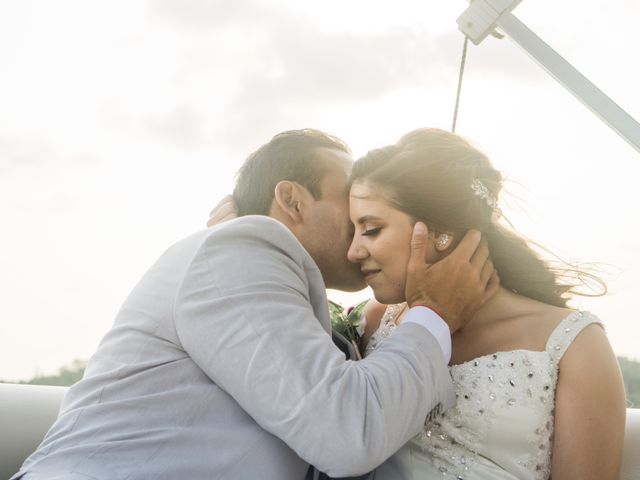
[145,409]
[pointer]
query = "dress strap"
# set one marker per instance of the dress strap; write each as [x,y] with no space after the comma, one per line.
[566,332]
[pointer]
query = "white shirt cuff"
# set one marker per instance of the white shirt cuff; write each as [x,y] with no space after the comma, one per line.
[435,325]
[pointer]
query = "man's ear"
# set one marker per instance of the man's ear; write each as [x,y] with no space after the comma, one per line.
[288,197]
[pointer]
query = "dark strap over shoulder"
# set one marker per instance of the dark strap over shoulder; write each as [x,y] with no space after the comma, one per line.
[313,474]
[345,346]
[368,476]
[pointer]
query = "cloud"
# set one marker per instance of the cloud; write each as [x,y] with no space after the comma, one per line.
[234,73]
[287,65]
[31,157]
[300,69]
[207,14]
[183,126]
[21,154]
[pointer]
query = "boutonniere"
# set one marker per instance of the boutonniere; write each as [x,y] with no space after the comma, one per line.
[347,322]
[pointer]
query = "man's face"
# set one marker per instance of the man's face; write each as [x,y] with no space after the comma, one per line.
[328,231]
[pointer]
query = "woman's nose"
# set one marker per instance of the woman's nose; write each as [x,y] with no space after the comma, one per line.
[356,252]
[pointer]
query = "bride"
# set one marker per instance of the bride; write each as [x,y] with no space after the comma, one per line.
[539,391]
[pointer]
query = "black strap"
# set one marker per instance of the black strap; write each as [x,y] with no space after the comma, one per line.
[367,476]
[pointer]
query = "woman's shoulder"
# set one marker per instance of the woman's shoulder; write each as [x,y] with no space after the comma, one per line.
[551,321]
[373,311]
[577,330]
[555,329]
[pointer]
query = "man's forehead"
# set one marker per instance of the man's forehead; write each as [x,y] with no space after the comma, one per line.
[337,166]
[335,157]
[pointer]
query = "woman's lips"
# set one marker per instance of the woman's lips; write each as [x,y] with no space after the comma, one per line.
[369,275]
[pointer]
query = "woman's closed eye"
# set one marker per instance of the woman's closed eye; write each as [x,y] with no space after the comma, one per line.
[371,231]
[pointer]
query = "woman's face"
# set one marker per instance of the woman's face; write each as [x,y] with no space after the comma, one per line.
[381,243]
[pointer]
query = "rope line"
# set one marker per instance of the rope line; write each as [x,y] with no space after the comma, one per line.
[462,62]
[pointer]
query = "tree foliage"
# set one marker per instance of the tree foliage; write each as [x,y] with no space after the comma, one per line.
[66,376]
[631,374]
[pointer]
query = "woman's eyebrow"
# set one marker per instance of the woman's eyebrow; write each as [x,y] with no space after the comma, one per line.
[367,218]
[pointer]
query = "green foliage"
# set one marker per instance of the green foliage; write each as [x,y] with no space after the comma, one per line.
[66,376]
[631,374]
[347,322]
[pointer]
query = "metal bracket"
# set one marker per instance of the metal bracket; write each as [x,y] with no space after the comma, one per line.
[481,19]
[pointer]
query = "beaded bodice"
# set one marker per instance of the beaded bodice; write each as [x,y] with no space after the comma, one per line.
[386,327]
[502,424]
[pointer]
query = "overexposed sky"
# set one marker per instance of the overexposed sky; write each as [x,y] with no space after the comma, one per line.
[122,123]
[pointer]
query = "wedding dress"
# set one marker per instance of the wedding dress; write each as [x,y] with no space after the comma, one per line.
[502,425]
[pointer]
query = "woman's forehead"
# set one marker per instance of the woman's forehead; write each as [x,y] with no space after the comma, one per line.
[366,191]
[366,202]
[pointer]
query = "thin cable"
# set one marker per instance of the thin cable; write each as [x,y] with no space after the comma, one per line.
[462,62]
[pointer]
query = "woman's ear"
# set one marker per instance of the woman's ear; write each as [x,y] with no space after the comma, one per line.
[287,196]
[443,241]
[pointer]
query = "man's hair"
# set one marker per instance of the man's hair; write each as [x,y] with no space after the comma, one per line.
[290,155]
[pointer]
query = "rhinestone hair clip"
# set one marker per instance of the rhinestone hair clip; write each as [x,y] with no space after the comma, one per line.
[480,190]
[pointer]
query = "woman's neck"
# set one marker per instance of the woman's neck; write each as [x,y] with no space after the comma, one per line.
[502,306]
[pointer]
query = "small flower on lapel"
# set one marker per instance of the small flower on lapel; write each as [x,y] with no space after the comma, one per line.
[347,322]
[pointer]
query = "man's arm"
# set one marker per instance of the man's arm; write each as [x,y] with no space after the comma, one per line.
[243,313]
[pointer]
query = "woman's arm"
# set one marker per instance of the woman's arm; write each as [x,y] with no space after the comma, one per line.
[590,411]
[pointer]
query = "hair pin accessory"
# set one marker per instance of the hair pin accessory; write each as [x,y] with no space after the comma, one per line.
[480,190]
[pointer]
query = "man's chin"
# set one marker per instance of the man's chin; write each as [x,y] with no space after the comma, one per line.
[351,287]
[354,285]
[351,281]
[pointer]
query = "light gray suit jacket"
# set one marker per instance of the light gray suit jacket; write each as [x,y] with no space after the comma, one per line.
[220,366]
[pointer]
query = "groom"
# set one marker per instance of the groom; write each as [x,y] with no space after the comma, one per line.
[220,364]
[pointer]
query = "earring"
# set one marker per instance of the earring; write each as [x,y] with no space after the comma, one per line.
[443,241]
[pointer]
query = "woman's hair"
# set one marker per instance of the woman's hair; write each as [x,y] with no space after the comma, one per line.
[441,179]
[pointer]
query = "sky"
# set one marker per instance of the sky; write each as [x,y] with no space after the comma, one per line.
[122,123]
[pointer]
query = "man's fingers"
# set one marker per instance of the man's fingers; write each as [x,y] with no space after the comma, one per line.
[224,200]
[218,216]
[220,219]
[486,272]
[492,286]
[480,256]
[467,246]
[225,210]
[418,256]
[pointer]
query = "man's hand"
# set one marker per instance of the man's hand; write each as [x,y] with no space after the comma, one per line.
[456,286]
[226,209]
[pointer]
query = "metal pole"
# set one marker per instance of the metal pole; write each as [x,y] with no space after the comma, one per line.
[585,91]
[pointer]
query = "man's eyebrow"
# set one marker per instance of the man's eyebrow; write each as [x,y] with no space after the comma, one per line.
[367,218]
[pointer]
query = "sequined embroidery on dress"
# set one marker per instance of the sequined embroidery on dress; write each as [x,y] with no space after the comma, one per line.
[502,424]
[386,327]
